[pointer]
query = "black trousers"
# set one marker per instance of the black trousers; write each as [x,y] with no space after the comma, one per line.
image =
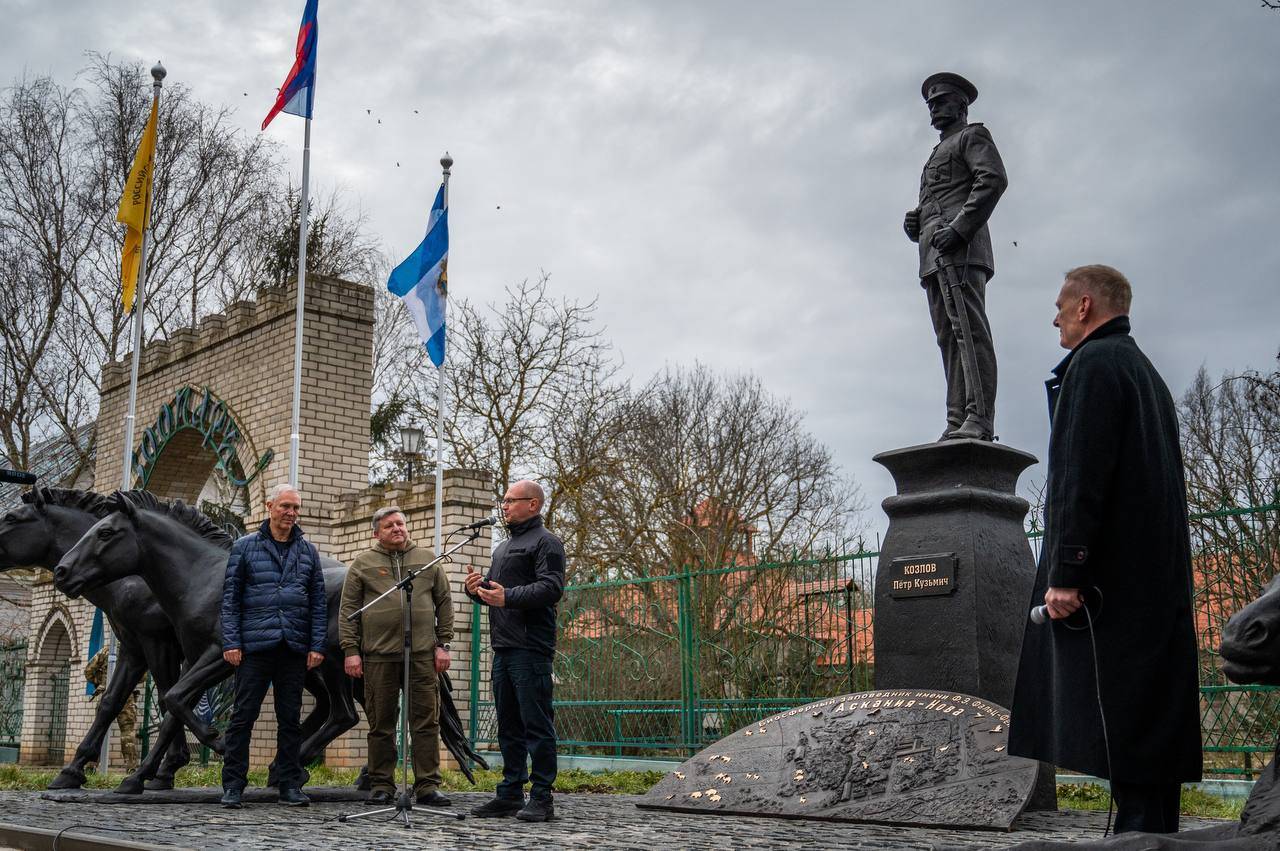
[972,298]
[526,722]
[1147,807]
[284,670]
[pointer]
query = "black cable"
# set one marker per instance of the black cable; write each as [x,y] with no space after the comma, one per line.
[1106,741]
[186,823]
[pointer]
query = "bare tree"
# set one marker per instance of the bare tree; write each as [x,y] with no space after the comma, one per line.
[1231,444]
[338,242]
[516,372]
[43,227]
[222,224]
[707,469]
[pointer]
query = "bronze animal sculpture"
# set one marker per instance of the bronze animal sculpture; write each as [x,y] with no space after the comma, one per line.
[145,536]
[38,533]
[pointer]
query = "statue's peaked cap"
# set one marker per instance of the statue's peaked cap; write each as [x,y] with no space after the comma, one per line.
[945,82]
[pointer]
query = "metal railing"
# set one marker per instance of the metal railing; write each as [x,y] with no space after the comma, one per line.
[663,666]
[13,665]
[666,665]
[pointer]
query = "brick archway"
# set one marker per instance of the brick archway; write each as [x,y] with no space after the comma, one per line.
[244,359]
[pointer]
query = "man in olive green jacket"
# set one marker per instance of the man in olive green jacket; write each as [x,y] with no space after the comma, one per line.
[373,647]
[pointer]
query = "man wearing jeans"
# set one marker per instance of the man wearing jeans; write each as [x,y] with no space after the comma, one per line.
[523,585]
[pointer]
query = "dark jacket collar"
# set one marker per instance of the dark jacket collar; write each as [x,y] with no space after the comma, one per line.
[520,528]
[294,534]
[1110,328]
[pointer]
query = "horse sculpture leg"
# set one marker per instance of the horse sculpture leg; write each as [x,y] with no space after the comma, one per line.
[342,714]
[112,698]
[165,671]
[207,671]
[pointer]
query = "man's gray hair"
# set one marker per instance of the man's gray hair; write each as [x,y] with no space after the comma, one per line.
[1107,285]
[277,490]
[383,513]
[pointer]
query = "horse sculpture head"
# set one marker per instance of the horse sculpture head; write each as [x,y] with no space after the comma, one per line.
[24,538]
[1251,640]
[47,524]
[110,550]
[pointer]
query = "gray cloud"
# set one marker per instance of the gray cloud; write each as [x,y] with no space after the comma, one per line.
[730,177]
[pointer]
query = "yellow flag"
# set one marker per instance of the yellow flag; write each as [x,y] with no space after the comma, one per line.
[135,209]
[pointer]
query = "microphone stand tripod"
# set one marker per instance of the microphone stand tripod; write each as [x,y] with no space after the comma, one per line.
[404,799]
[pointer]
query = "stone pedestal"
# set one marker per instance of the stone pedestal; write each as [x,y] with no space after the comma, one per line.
[955,497]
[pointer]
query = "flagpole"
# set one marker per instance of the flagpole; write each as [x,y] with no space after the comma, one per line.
[294,428]
[446,162]
[158,74]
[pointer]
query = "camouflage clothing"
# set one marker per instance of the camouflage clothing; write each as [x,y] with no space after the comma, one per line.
[127,721]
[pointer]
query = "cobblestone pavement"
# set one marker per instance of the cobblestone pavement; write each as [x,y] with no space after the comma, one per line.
[584,821]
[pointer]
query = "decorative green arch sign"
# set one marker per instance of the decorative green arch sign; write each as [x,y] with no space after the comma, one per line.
[204,412]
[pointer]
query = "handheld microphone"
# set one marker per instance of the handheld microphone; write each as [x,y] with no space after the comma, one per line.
[1091,600]
[480,524]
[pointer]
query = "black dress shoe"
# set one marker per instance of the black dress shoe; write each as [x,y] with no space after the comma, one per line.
[293,798]
[380,796]
[433,799]
[231,799]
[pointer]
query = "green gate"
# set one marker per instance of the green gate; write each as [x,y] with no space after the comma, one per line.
[665,665]
[13,666]
[662,666]
[56,734]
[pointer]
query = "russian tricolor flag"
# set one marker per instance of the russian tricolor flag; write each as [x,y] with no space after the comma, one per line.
[421,281]
[299,87]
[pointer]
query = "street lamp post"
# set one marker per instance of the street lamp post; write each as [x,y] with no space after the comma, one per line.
[410,447]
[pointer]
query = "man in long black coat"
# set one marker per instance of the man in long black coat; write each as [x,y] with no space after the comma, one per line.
[1116,539]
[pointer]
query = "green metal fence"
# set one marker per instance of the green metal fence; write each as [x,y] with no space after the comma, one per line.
[1237,552]
[663,666]
[13,666]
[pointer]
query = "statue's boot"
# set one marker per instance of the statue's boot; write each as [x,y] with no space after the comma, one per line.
[972,428]
[955,419]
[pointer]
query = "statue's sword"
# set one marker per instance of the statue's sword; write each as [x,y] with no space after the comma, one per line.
[959,316]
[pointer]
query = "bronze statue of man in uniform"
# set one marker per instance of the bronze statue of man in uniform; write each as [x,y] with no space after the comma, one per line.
[961,183]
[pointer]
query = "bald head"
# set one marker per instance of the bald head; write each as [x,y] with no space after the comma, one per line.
[524,499]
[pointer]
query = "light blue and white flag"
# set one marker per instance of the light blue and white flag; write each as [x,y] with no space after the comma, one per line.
[422,281]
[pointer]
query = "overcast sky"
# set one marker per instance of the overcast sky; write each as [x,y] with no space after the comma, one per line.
[729,178]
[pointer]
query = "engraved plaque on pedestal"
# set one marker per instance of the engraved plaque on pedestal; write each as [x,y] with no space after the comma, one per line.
[902,756]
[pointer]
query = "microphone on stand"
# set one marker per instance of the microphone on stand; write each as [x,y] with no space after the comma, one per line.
[480,524]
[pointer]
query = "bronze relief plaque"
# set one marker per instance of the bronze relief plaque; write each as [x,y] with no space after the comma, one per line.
[910,757]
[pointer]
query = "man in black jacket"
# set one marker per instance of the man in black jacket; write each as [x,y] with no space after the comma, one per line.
[523,585]
[1116,551]
[274,622]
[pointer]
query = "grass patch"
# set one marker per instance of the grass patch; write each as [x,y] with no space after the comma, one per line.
[21,778]
[1091,796]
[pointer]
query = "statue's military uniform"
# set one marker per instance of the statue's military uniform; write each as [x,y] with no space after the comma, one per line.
[127,721]
[962,181]
[960,185]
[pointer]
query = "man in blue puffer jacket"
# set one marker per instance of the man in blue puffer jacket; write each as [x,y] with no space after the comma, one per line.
[273,631]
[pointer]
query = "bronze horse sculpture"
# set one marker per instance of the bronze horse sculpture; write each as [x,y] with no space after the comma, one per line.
[1250,654]
[149,537]
[37,534]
